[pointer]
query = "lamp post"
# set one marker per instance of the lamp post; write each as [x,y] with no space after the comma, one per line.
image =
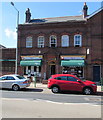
[17,37]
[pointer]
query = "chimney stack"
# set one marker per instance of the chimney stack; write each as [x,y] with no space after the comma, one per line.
[28,15]
[85,10]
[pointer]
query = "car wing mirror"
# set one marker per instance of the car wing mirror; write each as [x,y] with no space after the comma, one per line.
[79,81]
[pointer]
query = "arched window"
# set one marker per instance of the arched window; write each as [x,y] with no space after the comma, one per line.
[65,40]
[41,41]
[28,42]
[53,41]
[77,40]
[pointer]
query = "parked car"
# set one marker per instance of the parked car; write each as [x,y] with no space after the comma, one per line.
[62,82]
[15,82]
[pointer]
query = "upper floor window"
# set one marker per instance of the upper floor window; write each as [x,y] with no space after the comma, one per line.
[65,41]
[29,42]
[53,41]
[78,40]
[41,41]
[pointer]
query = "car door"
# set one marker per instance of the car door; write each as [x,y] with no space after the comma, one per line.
[73,84]
[62,82]
[2,81]
[8,82]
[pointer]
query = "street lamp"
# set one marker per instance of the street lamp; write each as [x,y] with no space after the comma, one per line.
[17,37]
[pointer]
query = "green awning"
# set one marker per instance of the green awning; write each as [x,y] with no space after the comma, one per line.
[30,63]
[7,60]
[72,63]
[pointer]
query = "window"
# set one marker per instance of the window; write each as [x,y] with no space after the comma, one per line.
[3,78]
[77,40]
[10,78]
[41,41]
[61,78]
[20,77]
[65,41]
[28,42]
[53,41]
[71,78]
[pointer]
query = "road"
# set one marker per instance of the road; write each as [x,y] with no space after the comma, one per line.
[31,104]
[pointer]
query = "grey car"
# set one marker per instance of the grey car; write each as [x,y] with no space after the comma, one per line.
[14,82]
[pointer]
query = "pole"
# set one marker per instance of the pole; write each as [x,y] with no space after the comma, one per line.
[16,63]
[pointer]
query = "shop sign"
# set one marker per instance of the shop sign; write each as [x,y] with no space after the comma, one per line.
[34,57]
[82,57]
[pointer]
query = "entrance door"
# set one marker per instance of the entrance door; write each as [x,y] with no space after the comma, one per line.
[96,73]
[52,69]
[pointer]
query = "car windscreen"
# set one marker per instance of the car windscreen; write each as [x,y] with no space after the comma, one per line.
[20,77]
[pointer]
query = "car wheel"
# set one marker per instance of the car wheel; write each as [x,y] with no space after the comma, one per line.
[55,89]
[15,87]
[87,91]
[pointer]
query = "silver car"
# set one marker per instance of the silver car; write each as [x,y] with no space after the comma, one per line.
[15,82]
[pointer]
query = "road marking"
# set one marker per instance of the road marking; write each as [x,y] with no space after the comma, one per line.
[48,101]
[66,103]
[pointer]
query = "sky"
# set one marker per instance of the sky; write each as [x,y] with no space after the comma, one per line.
[8,15]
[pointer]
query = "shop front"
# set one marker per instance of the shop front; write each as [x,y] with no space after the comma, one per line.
[73,65]
[31,65]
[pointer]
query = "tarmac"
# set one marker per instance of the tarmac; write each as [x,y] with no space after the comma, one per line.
[40,87]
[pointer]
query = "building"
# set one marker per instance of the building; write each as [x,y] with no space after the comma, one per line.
[7,60]
[69,44]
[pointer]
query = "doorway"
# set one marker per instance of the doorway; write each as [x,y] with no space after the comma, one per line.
[52,69]
[96,73]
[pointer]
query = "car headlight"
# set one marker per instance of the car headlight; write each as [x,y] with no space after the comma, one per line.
[93,84]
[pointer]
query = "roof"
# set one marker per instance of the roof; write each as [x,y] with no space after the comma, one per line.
[57,19]
[1,46]
[95,12]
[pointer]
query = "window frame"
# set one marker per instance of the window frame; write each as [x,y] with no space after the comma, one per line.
[67,41]
[55,41]
[75,40]
[29,41]
[39,44]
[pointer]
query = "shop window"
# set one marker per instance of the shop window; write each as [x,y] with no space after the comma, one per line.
[65,40]
[78,40]
[28,42]
[53,41]
[41,41]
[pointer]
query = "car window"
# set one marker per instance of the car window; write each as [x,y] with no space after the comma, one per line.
[61,78]
[10,78]
[3,78]
[71,78]
[20,77]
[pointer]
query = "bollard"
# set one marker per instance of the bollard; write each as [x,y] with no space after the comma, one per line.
[35,81]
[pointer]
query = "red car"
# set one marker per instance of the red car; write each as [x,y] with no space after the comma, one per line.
[62,82]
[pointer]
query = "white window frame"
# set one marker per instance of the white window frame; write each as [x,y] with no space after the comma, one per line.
[40,45]
[65,41]
[75,40]
[55,43]
[29,42]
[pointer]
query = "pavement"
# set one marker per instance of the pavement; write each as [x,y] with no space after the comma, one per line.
[39,87]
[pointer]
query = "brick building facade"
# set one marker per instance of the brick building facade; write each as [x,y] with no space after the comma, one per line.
[69,44]
[7,60]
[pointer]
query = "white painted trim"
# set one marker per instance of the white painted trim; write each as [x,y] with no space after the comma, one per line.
[80,39]
[66,39]
[43,41]
[94,13]
[50,40]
